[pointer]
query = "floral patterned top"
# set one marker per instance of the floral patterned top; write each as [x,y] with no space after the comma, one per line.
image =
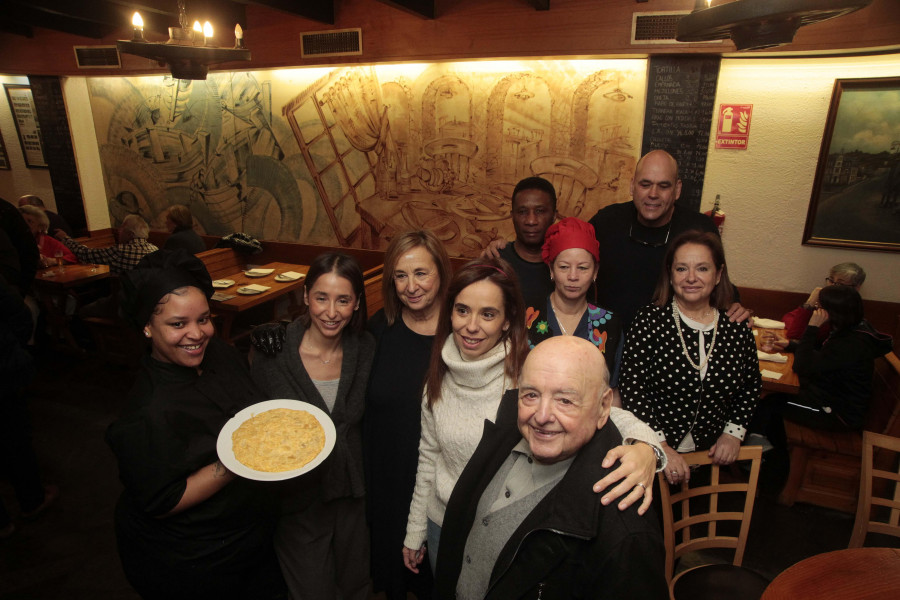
[598,326]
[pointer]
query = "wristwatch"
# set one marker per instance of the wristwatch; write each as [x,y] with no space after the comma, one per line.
[660,457]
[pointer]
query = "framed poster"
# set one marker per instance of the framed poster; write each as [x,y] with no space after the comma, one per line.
[856,193]
[25,116]
[4,158]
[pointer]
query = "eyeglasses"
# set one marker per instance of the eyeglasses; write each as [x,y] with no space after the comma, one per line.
[646,243]
[833,282]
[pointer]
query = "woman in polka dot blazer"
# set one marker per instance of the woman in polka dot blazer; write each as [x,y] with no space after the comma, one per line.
[688,371]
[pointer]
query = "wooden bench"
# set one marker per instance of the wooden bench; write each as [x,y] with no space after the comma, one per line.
[373,281]
[825,465]
[221,262]
[102,238]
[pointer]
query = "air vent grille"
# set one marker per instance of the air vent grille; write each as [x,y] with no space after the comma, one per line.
[97,57]
[338,42]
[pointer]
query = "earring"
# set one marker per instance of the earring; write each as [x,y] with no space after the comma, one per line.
[146,333]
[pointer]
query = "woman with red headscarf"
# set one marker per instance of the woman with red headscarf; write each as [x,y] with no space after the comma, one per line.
[572,252]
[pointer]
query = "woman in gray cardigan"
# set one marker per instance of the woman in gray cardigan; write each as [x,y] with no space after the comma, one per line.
[321,539]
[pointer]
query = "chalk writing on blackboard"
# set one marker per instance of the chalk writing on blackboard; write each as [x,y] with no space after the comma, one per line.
[681,93]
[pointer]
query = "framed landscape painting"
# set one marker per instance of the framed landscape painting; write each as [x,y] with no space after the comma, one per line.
[856,194]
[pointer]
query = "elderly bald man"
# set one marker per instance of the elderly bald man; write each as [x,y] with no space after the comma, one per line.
[523,521]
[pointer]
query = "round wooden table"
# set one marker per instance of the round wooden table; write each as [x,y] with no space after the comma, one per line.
[852,574]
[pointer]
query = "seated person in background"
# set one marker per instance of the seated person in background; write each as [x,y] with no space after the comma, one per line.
[689,371]
[522,521]
[50,248]
[836,377]
[56,221]
[533,211]
[571,251]
[125,255]
[845,274]
[180,224]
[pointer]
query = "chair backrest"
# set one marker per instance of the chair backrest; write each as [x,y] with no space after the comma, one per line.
[879,488]
[703,510]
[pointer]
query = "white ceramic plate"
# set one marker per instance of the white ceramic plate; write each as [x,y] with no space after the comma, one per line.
[221,284]
[245,291]
[226,452]
[284,279]
[258,272]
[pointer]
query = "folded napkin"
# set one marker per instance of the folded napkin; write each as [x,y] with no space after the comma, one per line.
[770,374]
[256,288]
[291,275]
[222,297]
[779,358]
[259,272]
[767,323]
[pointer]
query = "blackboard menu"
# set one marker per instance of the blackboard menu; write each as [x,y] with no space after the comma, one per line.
[681,95]
[57,143]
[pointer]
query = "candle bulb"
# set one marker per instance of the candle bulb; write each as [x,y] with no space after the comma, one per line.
[207,33]
[197,30]
[138,23]
[238,36]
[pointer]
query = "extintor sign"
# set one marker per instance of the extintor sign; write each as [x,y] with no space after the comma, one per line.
[733,131]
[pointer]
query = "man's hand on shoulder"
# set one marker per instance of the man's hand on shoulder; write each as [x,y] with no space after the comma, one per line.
[738,314]
[493,249]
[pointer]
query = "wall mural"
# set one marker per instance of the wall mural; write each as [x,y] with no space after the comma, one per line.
[350,156]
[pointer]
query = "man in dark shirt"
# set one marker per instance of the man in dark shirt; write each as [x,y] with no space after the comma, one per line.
[533,211]
[633,237]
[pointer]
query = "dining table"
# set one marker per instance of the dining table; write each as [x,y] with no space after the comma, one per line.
[849,574]
[233,297]
[53,286]
[788,381]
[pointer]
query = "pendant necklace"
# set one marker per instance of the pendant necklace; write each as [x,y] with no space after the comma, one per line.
[684,349]
[558,320]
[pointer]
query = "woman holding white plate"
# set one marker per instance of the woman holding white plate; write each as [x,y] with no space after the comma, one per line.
[186,526]
[325,359]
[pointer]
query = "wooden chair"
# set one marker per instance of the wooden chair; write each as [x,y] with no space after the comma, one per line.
[878,487]
[699,529]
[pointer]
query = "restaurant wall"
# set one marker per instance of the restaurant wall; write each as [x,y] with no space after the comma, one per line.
[350,156]
[19,180]
[87,155]
[766,188]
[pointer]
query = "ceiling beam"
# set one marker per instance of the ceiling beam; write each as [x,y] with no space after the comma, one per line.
[318,10]
[422,8]
[32,16]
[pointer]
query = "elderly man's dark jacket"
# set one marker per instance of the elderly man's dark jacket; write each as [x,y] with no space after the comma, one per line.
[570,545]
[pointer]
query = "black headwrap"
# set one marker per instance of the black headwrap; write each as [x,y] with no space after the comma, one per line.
[156,275]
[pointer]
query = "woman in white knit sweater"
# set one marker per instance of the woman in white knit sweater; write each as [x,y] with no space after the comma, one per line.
[480,345]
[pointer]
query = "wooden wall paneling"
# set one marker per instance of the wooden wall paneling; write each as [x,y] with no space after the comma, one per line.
[463,29]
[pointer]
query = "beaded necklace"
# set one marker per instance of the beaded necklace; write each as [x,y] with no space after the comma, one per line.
[684,349]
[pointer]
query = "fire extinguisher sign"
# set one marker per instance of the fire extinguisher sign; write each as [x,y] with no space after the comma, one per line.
[733,131]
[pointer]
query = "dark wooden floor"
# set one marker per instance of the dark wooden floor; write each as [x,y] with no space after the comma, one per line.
[69,553]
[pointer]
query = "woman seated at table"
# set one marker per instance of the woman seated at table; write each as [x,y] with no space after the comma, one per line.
[479,347]
[321,540]
[572,252]
[416,276]
[688,371]
[180,224]
[835,377]
[845,274]
[186,527]
[49,247]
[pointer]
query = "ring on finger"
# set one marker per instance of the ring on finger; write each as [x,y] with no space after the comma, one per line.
[641,483]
